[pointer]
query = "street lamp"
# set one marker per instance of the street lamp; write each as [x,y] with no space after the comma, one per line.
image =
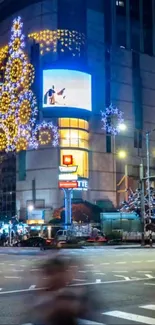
[122,154]
[122,127]
[30,208]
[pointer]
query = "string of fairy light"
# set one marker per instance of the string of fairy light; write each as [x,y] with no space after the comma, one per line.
[18,105]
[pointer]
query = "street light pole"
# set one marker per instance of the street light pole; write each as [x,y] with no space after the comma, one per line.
[142,203]
[148,171]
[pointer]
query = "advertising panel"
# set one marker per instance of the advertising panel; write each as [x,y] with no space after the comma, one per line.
[66,184]
[68,177]
[66,88]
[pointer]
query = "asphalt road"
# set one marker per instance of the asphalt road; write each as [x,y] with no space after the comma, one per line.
[125,280]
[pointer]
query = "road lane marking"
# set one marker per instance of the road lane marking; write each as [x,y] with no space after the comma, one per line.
[98,280]
[110,282]
[89,264]
[104,263]
[17,270]
[144,271]
[75,285]
[33,286]
[120,262]
[20,290]
[131,317]
[149,276]
[81,280]
[149,307]
[88,322]
[120,271]
[12,264]
[12,277]
[82,271]
[73,266]
[149,284]
[126,278]
[150,261]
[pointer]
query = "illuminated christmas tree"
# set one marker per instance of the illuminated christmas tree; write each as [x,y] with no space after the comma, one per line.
[18,105]
[134,202]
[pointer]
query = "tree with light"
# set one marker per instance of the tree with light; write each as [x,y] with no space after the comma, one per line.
[18,105]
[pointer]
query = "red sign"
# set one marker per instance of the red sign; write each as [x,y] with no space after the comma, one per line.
[67,160]
[65,184]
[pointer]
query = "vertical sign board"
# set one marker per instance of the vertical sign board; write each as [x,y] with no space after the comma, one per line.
[67,160]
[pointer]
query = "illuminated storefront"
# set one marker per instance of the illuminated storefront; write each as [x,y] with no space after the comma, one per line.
[57,48]
[74,140]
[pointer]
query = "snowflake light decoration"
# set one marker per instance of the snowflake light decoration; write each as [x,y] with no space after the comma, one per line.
[112,117]
[18,105]
[44,134]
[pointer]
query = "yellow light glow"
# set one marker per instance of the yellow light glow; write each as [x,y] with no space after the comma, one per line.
[29,76]
[16,44]
[122,154]
[5,102]
[45,137]
[10,123]
[80,159]
[16,71]
[21,144]
[24,112]
[3,140]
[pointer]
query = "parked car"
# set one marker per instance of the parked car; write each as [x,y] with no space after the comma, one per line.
[35,241]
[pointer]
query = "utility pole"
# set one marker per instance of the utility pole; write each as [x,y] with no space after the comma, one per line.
[148,178]
[148,171]
[142,203]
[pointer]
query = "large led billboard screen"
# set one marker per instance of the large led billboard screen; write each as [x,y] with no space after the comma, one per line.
[67,88]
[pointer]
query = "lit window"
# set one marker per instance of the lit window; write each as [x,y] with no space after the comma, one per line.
[74,138]
[73,123]
[120,3]
[64,122]
[80,158]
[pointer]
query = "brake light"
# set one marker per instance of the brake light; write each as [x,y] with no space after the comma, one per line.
[48,241]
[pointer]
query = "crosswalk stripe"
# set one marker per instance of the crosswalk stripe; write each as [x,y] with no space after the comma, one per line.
[88,322]
[149,307]
[131,317]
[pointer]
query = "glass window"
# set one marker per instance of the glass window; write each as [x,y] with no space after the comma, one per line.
[121,7]
[74,138]
[64,138]
[80,158]
[64,122]
[81,124]
[86,125]
[83,139]
[148,26]
[73,123]
[119,3]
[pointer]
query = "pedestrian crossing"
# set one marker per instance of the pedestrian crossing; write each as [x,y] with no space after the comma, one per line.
[144,314]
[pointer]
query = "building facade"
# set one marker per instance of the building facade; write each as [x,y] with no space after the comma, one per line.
[113,41]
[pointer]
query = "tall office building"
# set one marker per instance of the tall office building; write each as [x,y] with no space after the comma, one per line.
[110,45]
